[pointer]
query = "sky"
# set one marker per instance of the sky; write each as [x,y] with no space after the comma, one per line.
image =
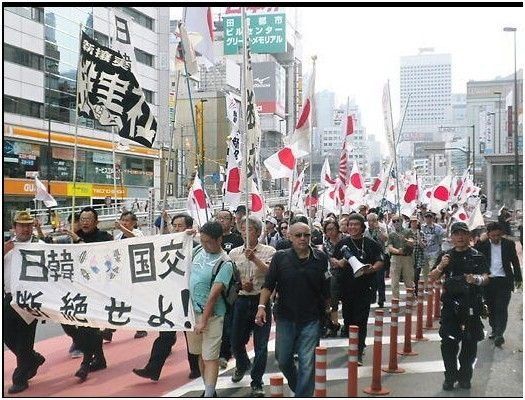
[358,49]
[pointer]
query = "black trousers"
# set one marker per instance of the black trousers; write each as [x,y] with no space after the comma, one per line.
[449,352]
[497,297]
[226,347]
[19,337]
[161,350]
[89,340]
[356,308]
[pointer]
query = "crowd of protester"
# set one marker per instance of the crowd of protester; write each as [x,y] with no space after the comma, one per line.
[294,269]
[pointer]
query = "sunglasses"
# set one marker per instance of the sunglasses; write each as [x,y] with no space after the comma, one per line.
[305,235]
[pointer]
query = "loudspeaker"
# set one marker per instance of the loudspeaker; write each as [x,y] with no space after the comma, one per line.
[357,266]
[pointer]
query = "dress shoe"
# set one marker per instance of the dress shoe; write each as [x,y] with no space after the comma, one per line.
[498,341]
[140,334]
[82,373]
[464,384]
[39,360]
[448,385]
[194,375]
[144,373]
[17,388]
[97,365]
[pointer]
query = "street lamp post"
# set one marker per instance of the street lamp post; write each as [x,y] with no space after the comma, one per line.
[499,123]
[493,128]
[516,155]
[473,148]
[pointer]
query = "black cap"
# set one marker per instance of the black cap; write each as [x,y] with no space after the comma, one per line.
[241,208]
[459,226]
[429,214]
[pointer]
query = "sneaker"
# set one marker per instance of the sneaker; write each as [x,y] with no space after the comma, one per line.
[257,391]
[76,353]
[360,360]
[140,334]
[448,385]
[17,388]
[214,394]
[223,363]
[498,341]
[238,374]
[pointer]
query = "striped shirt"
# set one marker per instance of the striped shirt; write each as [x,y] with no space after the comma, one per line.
[249,270]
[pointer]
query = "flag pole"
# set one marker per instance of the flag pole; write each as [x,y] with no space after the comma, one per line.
[398,205]
[244,101]
[311,126]
[114,157]
[76,136]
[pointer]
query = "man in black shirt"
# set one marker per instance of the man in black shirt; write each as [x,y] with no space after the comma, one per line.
[230,239]
[357,293]
[301,279]
[465,270]
[90,339]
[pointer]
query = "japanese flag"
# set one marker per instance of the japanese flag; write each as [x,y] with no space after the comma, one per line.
[187,52]
[460,215]
[257,206]
[410,196]
[326,178]
[199,20]
[348,126]
[232,182]
[282,163]
[297,190]
[301,134]
[476,218]
[198,202]
[42,194]
[355,189]
[440,195]
[329,201]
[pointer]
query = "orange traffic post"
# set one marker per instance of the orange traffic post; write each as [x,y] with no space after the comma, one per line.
[353,351]
[392,364]
[376,387]
[437,300]
[320,372]
[429,325]
[407,348]
[419,322]
[276,386]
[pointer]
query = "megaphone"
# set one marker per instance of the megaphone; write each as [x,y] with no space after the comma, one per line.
[357,266]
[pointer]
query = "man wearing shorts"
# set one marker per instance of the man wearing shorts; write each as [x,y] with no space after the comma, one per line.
[208,304]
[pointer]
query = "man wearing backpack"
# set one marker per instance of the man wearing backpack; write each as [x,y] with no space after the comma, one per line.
[252,262]
[301,279]
[208,302]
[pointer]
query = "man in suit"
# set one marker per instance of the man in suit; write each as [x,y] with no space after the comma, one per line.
[501,253]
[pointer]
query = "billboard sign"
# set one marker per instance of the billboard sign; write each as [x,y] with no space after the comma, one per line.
[269,84]
[267,33]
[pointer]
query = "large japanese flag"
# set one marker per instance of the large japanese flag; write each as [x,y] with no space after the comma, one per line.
[42,194]
[328,200]
[198,202]
[460,215]
[297,190]
[301,134]
[282,163]
[469,189]
[440,195]
[256,205]
[199,20]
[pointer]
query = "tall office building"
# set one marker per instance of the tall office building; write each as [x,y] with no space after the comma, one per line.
[425,81]
[41,52]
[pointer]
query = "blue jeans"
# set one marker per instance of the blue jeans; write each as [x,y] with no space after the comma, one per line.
[300,338]
[244,311]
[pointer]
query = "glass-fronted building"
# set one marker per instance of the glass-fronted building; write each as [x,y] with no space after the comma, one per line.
[41,52]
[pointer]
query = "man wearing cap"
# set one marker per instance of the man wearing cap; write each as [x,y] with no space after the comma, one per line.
[432,237]
[19,337]
[501,254]
[465,271]
[270,233]
[401,248]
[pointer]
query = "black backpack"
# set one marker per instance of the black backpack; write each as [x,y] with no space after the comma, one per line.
[229,293]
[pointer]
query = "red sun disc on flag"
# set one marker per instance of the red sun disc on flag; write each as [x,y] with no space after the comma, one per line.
[355,179]
[286,157]
[377,182]
[200,199]
[441,193]
[256,202]
[410,194]
[462,216]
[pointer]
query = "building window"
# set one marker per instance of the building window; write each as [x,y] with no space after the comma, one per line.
[34,13]
[20,106]
[149,95]
[138,17]
[23,57]
[144,58]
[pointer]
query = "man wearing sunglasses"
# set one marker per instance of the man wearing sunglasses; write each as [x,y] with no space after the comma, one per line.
[401,248]
[301,279]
